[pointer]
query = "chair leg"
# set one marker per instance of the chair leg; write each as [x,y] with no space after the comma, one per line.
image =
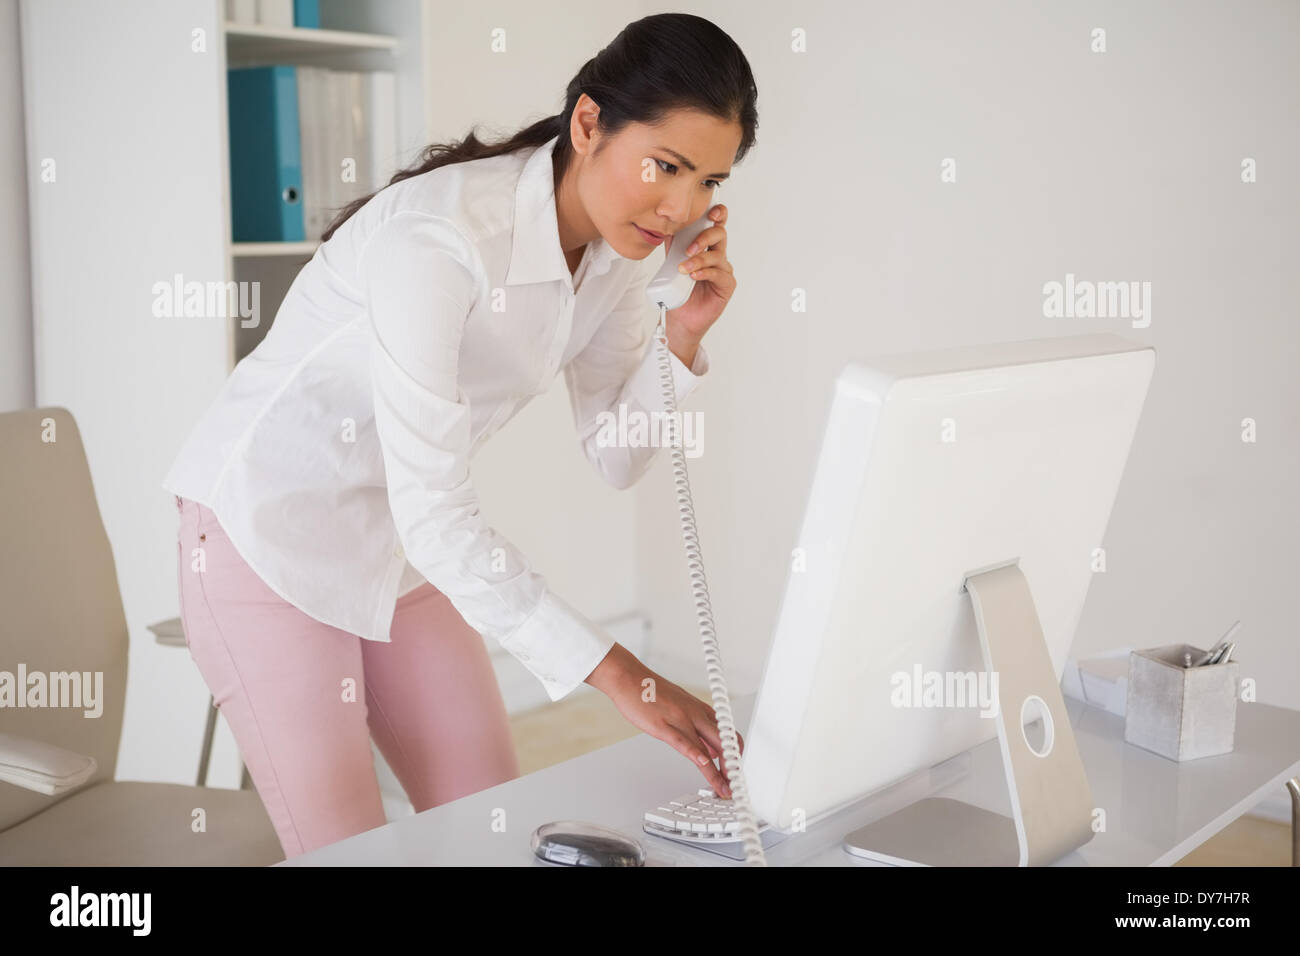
[1294,786]
[206,753]
[245,781]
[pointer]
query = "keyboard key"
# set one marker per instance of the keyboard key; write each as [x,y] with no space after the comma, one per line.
[662,820]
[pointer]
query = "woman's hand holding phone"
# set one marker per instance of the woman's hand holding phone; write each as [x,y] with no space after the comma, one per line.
[715,284]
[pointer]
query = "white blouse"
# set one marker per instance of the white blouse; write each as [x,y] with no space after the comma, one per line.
[337,454]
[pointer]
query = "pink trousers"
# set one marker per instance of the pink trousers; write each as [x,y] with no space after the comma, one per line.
[303,698]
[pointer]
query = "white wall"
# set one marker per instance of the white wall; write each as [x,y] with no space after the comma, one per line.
[1121,166]
[17,389]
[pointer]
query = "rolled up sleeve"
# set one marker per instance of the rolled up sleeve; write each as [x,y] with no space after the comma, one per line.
[421,279]
[620,366]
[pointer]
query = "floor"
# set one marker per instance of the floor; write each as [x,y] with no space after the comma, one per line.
[575,726]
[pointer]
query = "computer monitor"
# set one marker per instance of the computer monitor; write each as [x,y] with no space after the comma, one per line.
[934,469]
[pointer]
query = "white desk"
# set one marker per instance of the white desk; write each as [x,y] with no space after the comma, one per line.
[1157,810]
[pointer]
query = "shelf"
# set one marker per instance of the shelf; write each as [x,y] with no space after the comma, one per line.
[306,247]
[245,41]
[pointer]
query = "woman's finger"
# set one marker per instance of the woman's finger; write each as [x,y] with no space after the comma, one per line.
[719,277]
[706,724]
[708,731]
[714,752]
[715,237]
[713,257]
[693,750]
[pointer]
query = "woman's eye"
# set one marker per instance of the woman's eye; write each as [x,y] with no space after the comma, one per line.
[673,171]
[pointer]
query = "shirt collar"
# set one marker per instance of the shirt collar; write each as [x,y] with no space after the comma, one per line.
[535,253]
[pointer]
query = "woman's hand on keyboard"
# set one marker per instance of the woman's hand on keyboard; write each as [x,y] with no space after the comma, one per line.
[666,712]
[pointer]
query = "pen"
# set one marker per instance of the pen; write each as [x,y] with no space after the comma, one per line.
[1222,656]
[1213,652]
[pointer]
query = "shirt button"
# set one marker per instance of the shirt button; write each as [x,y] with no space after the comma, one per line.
[397,552]
[524,657]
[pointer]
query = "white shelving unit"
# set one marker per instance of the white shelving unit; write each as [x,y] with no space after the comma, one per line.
[255,45]
[254,250]
[247,42]
[383,36]
[129,187]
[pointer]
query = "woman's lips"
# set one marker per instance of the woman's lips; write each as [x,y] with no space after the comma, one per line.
[654,238]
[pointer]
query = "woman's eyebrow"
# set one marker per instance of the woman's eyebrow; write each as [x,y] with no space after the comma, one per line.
[690,165]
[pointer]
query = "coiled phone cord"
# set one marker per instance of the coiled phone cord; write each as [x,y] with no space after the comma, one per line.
[753,845]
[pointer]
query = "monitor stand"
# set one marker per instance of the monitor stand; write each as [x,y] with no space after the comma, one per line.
[1049,790]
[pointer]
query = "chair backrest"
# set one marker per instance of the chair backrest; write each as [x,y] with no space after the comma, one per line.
[60,607]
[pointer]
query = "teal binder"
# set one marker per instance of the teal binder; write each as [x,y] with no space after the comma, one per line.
[265,154]
[306,13]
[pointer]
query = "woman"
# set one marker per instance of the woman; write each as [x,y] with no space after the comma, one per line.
[334,568]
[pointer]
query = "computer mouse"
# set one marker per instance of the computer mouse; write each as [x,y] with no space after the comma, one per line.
[574,843]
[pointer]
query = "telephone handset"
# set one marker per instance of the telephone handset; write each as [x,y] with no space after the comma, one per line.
[670,289]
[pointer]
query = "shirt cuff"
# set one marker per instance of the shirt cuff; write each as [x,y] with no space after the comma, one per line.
[558,645]
[643,385]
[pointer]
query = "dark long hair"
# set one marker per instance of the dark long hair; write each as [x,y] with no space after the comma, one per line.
[656,65]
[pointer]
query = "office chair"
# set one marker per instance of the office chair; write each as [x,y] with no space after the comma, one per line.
[59,802]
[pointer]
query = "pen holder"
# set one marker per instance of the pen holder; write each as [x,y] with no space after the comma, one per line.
[1180,712]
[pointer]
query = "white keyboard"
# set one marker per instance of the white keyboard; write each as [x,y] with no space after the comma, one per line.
[699,817]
